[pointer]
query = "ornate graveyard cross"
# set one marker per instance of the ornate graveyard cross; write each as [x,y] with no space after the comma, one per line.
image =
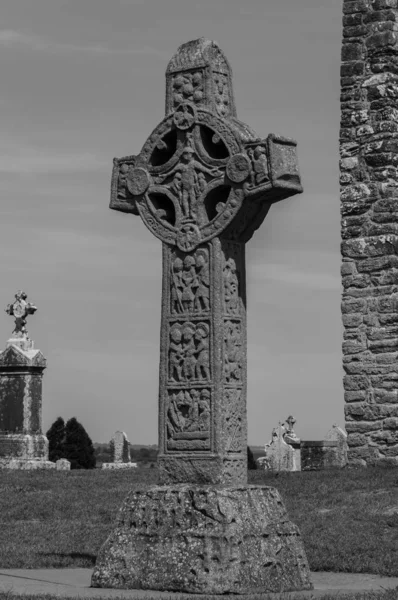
[203,183]
[20,309]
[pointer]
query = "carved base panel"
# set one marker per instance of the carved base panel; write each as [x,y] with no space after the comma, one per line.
[203,540]
[203,469]
[23,447]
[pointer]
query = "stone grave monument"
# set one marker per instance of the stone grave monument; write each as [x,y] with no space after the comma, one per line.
[22,443]
[369,192]
[121,453]
[337,434]
[282,453]
[202,184]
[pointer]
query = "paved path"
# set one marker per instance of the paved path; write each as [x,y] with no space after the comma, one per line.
[67,583]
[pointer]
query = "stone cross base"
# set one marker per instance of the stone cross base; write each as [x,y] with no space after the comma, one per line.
[119,465]
[23,446]
[26,465]
[204,540]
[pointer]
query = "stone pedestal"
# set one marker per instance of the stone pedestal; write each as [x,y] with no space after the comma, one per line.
[204,539]
[22,443]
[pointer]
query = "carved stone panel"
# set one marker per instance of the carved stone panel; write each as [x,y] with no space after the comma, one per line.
[233,414]
[189,352]
[190,282]
[188,419]
[188,86]
[233,352]
[233,294]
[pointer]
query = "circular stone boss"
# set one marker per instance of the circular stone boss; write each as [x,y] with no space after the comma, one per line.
[238,168]
[138,181]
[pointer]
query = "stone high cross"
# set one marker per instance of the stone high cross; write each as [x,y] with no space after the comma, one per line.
[203,183]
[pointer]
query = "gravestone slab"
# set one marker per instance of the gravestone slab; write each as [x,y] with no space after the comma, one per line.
[280,455]
[62,464]
[22,443]
[202,184]
[336,434]
[121,453]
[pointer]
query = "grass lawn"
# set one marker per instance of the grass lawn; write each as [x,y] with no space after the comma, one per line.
[348,518]
[388,595]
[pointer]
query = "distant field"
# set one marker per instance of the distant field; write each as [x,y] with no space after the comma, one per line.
[348,518]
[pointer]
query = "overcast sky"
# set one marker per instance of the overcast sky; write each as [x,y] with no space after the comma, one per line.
[83,81]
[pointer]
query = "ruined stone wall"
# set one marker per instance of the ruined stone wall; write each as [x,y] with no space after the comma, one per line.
[369,209]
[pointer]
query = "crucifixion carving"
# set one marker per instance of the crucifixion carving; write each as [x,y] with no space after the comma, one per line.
[203,183]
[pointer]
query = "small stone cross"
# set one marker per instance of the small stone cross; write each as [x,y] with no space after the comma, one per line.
[202,184]
[20,309]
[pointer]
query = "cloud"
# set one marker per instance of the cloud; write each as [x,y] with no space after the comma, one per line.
[10,38]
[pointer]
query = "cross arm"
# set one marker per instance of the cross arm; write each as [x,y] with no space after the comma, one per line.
[121,197]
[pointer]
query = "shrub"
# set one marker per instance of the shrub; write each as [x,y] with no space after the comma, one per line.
[79,449]
[56,440]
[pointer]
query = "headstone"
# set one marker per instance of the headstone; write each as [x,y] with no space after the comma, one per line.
[203,183]
[369,190]
[22,443]
[279,455]
[336,434]
[121,453]
[317,455]
[62,464]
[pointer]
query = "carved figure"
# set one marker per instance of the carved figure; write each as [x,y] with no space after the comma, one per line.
[231,292]
[259,165]
[202,294]
[176,354]
[177,285]
[185,182]
[122,190]
[204,411]
[190,283]
[202,366]
[188,411]
[233,354]
[189,363]
[189,357]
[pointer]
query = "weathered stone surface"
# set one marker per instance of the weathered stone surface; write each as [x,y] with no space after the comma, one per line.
[121,453]
[282,453]
[62,464]
[119,465]
[319,455]
[206,540]
[368,172]
[336,434]
[202,184]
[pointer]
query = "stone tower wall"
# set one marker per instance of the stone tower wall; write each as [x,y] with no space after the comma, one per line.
[369,226]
